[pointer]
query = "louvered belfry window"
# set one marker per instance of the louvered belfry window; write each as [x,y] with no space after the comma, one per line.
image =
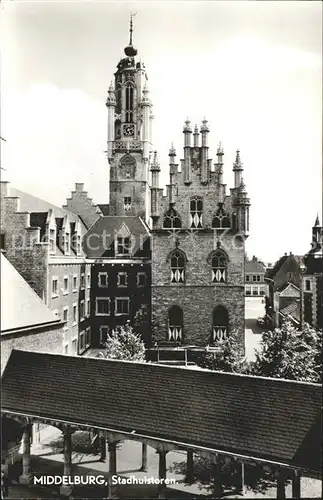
[219,267]
[175,324]
[220,324]
[177,264]
[196,212]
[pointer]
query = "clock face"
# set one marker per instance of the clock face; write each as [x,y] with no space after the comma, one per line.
[129,130]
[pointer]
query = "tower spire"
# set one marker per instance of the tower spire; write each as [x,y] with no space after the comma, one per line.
[132,14]
[130,50]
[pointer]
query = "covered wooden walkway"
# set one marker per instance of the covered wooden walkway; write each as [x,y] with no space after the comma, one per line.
[272,422]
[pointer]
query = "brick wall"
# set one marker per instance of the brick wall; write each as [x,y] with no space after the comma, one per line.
[47,339]
[67,299]
[22,245]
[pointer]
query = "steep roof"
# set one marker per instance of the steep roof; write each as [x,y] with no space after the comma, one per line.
[20,305]
[255,416]
[274,270]
[292,310]
[102,234]
[32,204]
[104,208]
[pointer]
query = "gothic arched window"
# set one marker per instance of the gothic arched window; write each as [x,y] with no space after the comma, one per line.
[177,266]
[220,324]
[219,262]
[196,212]
[172,220]
[221,220]
[175,324]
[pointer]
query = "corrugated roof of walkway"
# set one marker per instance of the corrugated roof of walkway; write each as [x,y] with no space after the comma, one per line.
[264,418]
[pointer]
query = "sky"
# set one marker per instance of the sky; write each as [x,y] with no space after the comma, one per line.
[253,69]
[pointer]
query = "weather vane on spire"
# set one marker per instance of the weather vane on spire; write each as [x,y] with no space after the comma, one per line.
[132,14]
[130,51]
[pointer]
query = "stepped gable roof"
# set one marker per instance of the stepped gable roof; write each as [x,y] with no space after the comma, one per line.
[263,418]
[103,233]
[33,312]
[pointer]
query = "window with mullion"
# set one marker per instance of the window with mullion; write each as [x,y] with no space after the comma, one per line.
[123,245]
[219,268]
[220,324]
[177,264]
[196,212]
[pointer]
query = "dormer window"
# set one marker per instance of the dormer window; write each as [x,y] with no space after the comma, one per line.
[67,243]
[52,240]
[196,212]
[123,245]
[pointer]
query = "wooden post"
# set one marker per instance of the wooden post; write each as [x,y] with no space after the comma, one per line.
[25,478]
[103,449]
[112,447]
[296,484]
[143,457]
[162,473]
[67,438]
[217,484]
[189,467]
[281,484]
[241,470]
[185,351]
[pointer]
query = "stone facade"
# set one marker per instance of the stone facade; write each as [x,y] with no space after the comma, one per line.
[198,248]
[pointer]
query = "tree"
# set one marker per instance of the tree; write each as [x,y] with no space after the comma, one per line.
[290,353]
[228,358]
[125,344]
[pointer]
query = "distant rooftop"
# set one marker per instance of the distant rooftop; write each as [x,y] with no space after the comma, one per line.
[21,307]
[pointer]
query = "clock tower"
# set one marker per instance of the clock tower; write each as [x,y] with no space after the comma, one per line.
[129,137]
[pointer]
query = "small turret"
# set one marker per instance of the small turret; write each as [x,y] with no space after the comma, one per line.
[145,104]
[187,131]
[111,105]
[204,133]
[237,169]
[242,203]
[196,136]
[155,169]
[204,152]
